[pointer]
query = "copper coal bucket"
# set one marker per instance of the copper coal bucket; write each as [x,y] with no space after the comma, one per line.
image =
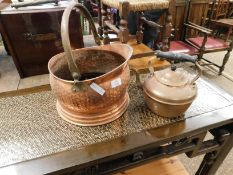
[90,84]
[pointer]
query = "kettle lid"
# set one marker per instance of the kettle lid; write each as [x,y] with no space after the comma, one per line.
[171,87]
[172,78]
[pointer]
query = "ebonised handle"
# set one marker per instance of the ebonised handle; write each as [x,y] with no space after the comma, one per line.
[181,57]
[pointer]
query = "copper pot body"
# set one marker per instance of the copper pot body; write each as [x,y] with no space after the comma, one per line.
[87,107]
[169,93]
[164,109]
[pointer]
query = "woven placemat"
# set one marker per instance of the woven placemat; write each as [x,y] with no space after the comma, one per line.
[30,126]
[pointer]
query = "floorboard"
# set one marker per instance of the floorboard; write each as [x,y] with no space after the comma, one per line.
[168,166]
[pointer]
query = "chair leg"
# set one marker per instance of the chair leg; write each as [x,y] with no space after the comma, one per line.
[200,55]
[123,12]
[225,59]
[100,28]
[224,62]
[105,27]
[167,31]
[202,49]
[139,33]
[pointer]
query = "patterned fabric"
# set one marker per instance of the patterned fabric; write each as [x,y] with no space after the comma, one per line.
[139,5]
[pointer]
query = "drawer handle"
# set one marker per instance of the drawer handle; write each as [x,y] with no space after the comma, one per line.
[40,37]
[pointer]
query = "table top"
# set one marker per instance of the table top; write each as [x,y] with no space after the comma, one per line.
[49,7]
[104,150]
[141,64]
[225,22]
[98,152]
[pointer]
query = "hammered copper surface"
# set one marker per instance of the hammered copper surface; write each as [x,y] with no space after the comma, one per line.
[87,107]
[30,126]
[84,80]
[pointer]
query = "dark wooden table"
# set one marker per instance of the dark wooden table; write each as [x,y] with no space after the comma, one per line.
[228,22]
[138,148]
[124,152]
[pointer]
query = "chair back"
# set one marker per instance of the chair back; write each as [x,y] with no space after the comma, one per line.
[196,12]
[219,9]
[183,11]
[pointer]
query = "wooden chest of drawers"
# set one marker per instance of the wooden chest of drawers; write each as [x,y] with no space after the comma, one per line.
[32,36]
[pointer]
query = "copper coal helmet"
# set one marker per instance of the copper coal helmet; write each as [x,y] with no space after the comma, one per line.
[170,92]
[90,84]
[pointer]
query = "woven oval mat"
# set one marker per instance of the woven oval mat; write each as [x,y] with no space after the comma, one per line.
[30,126]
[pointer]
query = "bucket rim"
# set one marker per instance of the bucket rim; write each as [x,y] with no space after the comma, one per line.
[103,48]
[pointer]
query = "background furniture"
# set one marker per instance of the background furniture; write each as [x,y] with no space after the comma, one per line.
[179,11]
[124,7]
[224,27]
[208,40]
[220,17]
[219,9]
[32,36]
[191,37]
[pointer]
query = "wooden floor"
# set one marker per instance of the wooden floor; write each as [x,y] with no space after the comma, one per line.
[169,166]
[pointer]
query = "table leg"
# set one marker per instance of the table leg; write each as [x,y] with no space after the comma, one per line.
[123,12]
[228,33]
[213,160]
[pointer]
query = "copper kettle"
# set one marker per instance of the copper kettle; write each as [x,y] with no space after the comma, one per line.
[170,92]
